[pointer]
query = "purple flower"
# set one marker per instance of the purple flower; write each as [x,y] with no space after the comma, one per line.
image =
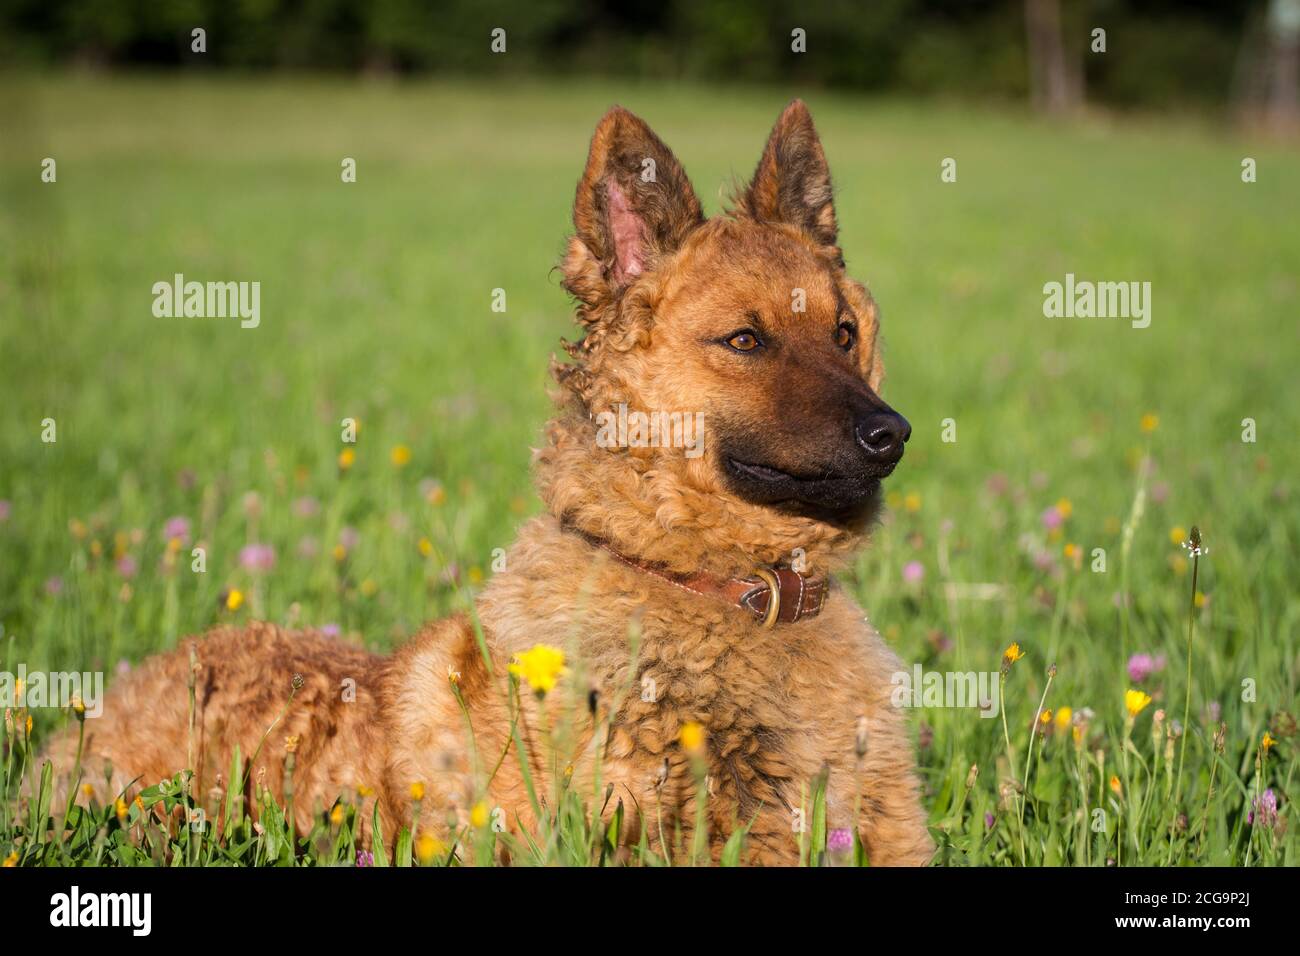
[348,537]
[1160,492]
[5,508]
[127,566]
[1052,518]
[331,630]
[124,666]
[1213,711]
[54,586]
[997,484]
[1265,805]
[177,528]
[913,572]
[840,841]
[940,641]
[306,506]
[989,820]
[307,547]
[365,858]
[1140,667]
[257,557]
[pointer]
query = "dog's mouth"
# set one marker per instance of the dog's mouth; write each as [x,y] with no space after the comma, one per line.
[770,474]
[827,496]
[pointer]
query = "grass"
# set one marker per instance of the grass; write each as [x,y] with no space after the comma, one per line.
[376,305]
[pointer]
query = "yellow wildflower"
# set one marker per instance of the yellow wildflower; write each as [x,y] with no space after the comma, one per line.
[1267,742]
[1063,716]
[478,816]
[1150,422]
[541,667]
[1135,702]
[1177,534]
[425,546]
[339,552]
[912,501]
[691,737]
[11,860]
[336,815]
[1114,784]
[119,807]
[347,458]
[234,599]
[428,847]
[369,588]
[400,455]
[417,791]
[1064,508]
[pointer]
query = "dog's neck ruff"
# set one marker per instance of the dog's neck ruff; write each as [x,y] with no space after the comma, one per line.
[772,595]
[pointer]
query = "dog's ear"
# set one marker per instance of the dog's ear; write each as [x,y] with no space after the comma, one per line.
[634,203]
[792,183]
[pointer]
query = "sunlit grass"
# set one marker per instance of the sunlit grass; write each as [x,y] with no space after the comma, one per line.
[1072,435]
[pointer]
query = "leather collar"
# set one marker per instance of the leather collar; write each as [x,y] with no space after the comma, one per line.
[771,595]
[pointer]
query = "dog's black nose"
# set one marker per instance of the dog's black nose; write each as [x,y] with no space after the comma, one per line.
[882,435]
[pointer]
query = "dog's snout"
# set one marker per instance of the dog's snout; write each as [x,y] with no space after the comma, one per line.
[882,435]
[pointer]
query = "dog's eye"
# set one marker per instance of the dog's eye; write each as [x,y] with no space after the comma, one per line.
[845,336]
[744,341]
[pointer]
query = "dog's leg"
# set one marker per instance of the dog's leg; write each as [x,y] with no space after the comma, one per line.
[893,822]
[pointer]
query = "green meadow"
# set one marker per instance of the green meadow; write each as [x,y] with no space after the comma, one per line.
[1056,467]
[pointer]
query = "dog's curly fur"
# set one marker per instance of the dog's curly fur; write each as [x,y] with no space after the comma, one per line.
[655,283]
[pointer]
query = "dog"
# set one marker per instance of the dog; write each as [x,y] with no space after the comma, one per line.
[712,669]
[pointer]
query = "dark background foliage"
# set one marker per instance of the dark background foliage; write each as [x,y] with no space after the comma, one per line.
[1160,53]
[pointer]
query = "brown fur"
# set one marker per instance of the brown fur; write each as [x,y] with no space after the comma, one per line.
[656,284]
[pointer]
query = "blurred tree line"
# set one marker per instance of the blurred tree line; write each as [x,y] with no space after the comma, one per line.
[1157,53]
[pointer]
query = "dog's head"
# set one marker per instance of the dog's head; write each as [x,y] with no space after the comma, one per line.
[747,323]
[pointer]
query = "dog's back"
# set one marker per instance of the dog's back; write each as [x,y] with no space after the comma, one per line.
[259,689]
